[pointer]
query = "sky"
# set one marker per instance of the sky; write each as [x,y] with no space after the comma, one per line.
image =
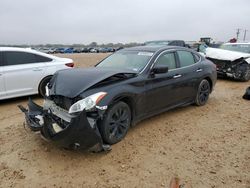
[104,21]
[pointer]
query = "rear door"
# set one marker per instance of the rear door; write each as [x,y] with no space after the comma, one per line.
[2,86]
[190,69]
[22,73]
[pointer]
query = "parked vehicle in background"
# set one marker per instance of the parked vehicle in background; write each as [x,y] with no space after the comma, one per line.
[210,42]
[44,50]
[230,63]
[52,51]
[206,40]
[58,50]
[91,108]
[111,49]
[166,43]
[94,50]
[106,50]
[85,50]
[77,50]
[68,50]
[26,71]
[103,50]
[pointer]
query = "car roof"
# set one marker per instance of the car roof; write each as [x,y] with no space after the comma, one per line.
[15,49]
[163,40]
[153,48]
[29,50]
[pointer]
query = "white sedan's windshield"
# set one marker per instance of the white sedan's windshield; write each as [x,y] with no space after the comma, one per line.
[133,60]
[245,48]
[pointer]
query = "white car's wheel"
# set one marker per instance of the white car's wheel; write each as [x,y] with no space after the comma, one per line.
[42,85]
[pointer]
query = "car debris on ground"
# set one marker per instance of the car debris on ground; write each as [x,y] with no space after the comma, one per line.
[247,94]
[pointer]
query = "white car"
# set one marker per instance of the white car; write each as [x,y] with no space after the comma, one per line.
[232,60]
[26,72]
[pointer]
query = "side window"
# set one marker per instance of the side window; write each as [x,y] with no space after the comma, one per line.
[186,58]
[18,58]
[167,59]
[40,58]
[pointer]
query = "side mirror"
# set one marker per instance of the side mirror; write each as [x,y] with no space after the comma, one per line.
[159,69]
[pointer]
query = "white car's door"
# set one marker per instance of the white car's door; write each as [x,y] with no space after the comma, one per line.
[22,73]
[2,88]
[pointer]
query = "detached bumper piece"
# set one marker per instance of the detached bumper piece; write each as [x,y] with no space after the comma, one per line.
[80,133]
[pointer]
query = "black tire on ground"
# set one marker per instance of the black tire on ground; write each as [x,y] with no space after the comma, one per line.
[245,76]
[43,83]
[203,93]
[116,123]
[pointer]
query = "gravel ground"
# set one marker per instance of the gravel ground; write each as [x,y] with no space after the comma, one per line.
[205,146]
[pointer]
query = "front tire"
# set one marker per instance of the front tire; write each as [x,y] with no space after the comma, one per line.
[116,123]
[203,93]
[245,76]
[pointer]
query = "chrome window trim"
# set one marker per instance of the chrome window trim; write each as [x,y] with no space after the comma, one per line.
[169,50]
[174,50]
[144,68]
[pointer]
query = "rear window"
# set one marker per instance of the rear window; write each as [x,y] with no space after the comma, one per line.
[186,58]
[196,58]
[42,59]
[19,58]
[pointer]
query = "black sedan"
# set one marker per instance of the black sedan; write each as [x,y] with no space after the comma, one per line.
[92,108]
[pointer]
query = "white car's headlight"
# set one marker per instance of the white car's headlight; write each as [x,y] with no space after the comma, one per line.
[87,103]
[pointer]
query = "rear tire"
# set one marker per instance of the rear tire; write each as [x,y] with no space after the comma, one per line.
[203,93]
[42,85]
[116,123]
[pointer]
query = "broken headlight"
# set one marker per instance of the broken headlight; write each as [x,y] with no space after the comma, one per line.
[87,103]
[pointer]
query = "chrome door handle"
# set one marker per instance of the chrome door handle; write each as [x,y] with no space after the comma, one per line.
[177,76]
[37,69]
[199,70]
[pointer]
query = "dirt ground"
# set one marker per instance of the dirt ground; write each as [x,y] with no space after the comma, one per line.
[205,146]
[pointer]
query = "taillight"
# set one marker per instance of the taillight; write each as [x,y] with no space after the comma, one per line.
[70,65]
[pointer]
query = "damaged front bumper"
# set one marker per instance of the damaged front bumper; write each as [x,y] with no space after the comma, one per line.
[233,69]
[69,131]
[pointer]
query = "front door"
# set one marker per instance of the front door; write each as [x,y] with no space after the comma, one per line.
[162,88]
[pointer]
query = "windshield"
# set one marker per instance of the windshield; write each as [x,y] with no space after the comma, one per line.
[132,60]
[245,48]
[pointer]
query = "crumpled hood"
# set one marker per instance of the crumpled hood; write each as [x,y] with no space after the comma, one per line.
[226,55]
[72,82]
